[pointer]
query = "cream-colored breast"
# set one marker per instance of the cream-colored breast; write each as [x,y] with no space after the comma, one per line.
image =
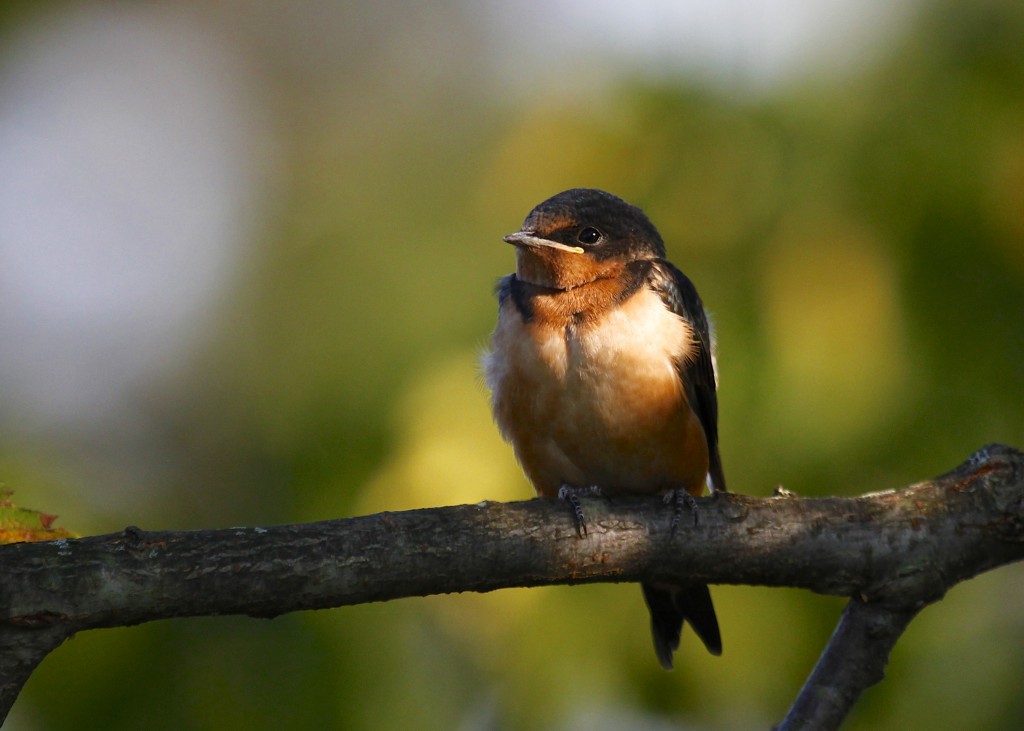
[625,363]
[600,402]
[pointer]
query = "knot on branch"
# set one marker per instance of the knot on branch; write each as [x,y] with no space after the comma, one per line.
[1002,470]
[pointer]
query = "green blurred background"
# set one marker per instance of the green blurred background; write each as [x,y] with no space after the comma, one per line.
[247,253]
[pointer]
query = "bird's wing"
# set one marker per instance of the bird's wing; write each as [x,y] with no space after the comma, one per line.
[698,372]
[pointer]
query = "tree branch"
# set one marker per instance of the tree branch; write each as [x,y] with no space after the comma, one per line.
[894,551]
[853,660]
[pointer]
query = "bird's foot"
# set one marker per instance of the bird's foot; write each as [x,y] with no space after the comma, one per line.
[680,499]
[572,496]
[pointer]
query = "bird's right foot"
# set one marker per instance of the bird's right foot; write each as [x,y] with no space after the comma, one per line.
[572,496]
[680,499]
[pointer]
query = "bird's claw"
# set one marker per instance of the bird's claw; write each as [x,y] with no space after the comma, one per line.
[679,500]
[572,496]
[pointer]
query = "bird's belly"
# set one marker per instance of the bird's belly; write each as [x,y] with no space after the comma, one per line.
[602,403]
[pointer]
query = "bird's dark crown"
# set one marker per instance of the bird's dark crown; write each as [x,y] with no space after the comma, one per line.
[603,225]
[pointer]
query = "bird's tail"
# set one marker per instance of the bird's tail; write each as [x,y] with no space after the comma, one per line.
[670,607]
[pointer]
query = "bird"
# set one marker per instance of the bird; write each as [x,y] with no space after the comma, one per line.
[602,376]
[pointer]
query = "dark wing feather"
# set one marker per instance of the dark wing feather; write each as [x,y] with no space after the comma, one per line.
[503,289]
[673,605]
[511,286]
[697,374]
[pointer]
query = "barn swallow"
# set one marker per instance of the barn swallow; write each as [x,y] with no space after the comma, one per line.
[602,377]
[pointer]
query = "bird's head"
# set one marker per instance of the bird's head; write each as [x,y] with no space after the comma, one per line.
[581,235]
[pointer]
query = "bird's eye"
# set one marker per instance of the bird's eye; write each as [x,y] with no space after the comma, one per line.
[589,235]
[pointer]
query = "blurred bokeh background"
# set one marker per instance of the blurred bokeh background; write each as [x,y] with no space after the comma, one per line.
[247,253]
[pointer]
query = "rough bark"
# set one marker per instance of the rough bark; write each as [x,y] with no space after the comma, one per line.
[893,552]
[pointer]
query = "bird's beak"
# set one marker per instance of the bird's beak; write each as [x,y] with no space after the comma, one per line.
[527,238]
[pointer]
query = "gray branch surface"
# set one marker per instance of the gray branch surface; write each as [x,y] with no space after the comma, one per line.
[892,552]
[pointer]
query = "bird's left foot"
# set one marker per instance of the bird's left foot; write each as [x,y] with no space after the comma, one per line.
[680,499]
[572,496]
